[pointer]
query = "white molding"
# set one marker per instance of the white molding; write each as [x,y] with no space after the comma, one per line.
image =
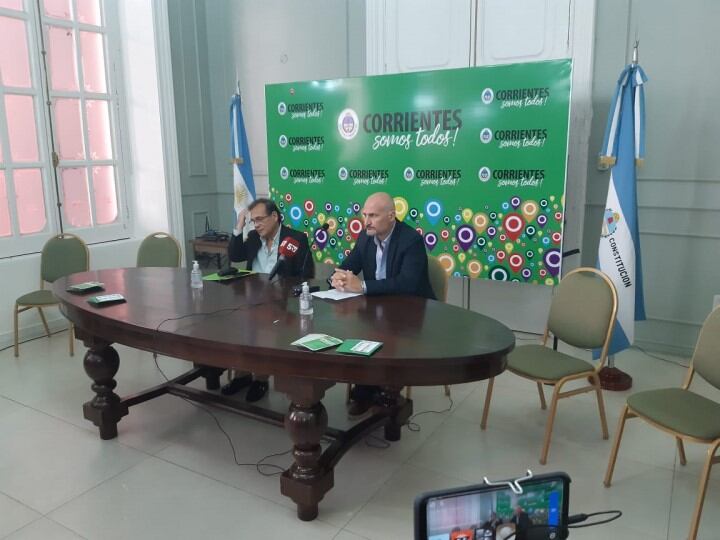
[200,121]
[375,37]
[581,48]
[171,163]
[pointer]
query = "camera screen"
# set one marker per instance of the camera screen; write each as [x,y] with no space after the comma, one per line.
[497,514]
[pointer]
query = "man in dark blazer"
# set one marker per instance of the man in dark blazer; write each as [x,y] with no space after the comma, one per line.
[393,260]
[260,250]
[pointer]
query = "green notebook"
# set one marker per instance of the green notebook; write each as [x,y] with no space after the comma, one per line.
[106,299]
[317,342]
[363,347]
[238,274]
[88,286]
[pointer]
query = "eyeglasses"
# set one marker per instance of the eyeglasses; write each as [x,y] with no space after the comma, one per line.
[258,219]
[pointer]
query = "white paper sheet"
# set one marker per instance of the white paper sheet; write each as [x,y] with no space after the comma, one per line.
[334,294]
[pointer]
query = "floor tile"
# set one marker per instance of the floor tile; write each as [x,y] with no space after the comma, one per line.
[46,462]
[44,529]
[389,515]
[159,500]
[14,515]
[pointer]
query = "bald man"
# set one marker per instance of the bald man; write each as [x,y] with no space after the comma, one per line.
[390,254]
[393,260]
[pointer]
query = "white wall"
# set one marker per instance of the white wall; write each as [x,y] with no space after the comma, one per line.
[279,41]
[145,174]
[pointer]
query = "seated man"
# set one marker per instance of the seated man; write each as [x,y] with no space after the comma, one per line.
[393,260]
[260,250]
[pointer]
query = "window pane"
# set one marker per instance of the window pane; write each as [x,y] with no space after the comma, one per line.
[104,191]
[14,59]
[88,11]
[76,199]
[98,119]
[68,129]
[29,200]
[93,61]
[63,68]
[12,4]
[5,229]
[20,112]
[60,9]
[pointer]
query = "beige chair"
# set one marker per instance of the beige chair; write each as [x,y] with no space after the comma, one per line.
[582,314]
[159,249]
[439,283]
[62,255]
[682,413]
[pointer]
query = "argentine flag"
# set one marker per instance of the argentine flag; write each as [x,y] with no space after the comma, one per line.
[244,186]
[619,250]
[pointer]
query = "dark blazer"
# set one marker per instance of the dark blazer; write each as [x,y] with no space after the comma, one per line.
[406,268]
[301,265]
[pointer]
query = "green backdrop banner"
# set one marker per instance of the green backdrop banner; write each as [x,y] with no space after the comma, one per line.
[475,159]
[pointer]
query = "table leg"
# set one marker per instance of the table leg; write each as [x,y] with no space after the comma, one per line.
[307,480]
[105,410]
[212,376]
[399,410]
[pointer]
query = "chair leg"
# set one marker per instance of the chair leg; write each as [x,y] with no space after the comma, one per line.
[601,406]
[347,393]
[549,425]
[702,489]
[15,331]
[71,338]
[543,403]
[44,321]
[616,447]
[681,451]
[408,392]
[447,390]
[486,408]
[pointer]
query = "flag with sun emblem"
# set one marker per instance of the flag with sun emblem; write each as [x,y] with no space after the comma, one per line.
[619,249]
[244,186]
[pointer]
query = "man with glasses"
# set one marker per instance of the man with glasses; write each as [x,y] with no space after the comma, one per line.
[260,250]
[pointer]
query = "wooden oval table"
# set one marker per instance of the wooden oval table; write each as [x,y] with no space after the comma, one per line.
[249,324]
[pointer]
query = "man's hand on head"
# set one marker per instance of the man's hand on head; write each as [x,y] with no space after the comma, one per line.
[242,219]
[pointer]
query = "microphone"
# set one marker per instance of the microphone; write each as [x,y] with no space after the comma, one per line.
[287,250]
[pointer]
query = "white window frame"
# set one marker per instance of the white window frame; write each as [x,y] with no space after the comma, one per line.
[17,244]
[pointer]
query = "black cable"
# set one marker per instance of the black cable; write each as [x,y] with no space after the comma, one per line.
[576,518]
[414,426]
[33,339]
[259,463]
[667,360]
[582,517]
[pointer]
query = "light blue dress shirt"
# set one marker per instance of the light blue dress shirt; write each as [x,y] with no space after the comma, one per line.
[266,258]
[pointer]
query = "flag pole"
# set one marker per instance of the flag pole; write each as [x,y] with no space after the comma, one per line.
[611,357]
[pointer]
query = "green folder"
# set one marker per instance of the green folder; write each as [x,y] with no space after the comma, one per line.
[88,286]
[215,277]
[317,342]
[362,347]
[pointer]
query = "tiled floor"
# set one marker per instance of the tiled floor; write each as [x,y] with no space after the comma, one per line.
[171,474]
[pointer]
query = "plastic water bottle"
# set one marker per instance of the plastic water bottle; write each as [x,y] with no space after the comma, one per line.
[196,276]
[306,306]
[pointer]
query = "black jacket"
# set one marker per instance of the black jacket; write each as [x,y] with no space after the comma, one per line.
[301,265]
[406,269]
